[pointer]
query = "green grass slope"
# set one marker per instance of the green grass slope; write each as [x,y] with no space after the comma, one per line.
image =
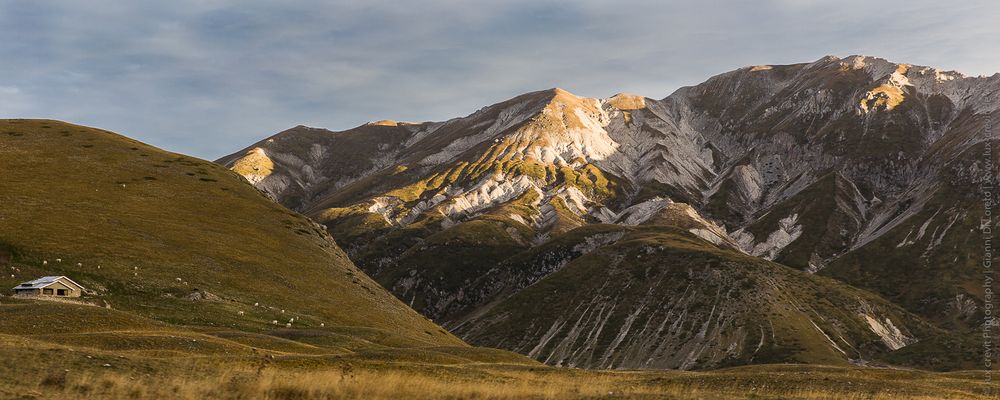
[143,229]
[660,297]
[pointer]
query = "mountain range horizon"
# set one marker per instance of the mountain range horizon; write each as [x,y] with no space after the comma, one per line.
[630,93]
[808,230]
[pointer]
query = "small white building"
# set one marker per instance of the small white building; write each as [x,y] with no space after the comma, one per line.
[59,286]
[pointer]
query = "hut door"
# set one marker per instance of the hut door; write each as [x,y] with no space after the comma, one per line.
[60,292]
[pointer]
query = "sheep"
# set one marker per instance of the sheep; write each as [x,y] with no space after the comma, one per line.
[58,260]
[291,320]
[322,324]
[45,262]
[78,265]
[282,311]
[179,280]
[256,304]
[240,313]
[288,325]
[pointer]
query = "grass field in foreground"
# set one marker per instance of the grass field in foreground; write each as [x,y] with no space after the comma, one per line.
[149,361]
[333,378]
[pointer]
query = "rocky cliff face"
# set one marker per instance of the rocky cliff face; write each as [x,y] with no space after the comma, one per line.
[856,168]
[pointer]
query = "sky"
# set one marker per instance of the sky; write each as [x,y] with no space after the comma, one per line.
[209,77]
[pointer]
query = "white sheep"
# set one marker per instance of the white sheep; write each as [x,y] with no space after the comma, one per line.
[274,322]
[288,325]
[45,262]
[58,260]
[321,324]
[282,311]
[256,304]
[240,313]
[78,265]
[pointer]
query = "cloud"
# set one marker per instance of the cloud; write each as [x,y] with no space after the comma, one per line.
[13,100]
[209,77]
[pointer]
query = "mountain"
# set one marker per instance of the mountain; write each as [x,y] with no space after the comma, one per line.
[172,246]
[856,169]
[660,297]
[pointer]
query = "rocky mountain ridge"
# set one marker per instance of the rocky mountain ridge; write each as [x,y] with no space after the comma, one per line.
[830,167]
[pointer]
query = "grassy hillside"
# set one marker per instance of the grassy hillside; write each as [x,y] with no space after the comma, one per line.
[201,287]
[144,229]
[60,371]
[660,297]
[931,262]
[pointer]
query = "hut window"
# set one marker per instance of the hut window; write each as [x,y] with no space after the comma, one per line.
[60,292]
[46,291]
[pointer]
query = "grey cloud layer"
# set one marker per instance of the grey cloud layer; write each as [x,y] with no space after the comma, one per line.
[208,77]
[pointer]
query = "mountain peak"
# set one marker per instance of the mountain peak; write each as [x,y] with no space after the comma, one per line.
[388,122]
[559,95]
[559,90]
[627,101]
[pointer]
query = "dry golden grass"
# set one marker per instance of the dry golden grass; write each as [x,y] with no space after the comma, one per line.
[133,358]
[317,385]
[499,382]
